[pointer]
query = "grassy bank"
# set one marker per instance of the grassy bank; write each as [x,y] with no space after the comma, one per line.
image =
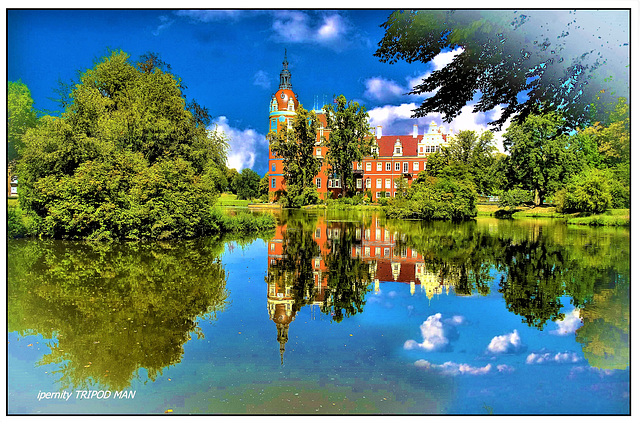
[612,217]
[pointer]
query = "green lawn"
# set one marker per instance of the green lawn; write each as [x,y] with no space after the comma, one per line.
[228,199]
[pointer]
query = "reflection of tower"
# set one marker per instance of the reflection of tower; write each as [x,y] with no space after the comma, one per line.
[282,316]
[280,306]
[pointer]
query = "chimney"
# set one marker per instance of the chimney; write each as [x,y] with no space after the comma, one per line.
[379,131]
[415,131]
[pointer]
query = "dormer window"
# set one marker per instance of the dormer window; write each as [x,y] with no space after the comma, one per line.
[290,105]
[274,105]
[397,148]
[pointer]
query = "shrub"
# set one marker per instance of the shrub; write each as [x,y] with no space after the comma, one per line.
[587,192]
[440,198]
[18,223]
[513,198]
[308,196]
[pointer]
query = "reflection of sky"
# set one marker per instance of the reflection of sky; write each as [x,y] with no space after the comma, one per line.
[358,365]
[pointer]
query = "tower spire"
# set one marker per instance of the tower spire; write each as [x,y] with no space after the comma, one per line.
[285,75]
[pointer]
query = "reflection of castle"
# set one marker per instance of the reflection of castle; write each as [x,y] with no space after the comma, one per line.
[389,259]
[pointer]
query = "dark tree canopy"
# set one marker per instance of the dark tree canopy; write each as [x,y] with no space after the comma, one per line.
[567,60]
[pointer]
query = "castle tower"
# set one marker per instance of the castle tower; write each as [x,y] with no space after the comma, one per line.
[282,111]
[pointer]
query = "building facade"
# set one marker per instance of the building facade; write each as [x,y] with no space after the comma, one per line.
[398,156]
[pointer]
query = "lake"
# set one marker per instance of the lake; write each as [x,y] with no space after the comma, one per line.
[332,313]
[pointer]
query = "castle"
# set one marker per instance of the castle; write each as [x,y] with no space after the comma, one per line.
[399,156]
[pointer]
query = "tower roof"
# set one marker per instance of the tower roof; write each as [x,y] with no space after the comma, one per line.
[285,75]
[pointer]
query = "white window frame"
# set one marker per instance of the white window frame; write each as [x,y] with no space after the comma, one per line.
[379,166]
[387,183]
[388,166]
[368,183]
[368,166]
[397,166]
[318,183]
[379,183]
[359,183]
[416,166]
[405,167]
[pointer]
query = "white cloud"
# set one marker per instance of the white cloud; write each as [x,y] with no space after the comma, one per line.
[213,15]
[243,143]
[333,26]
[326,29]
[453,368]
[165,23]
[396,120]
[382,89]
[262,79]
[507,343]
[560,357]
[569,324]
[292,26]
[436,334]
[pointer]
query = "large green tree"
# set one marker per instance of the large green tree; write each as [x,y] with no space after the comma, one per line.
[296,148]
[478,155]
[248,184]
[555,57]
[349,139]
[541,158]
[20,117]
[128,158]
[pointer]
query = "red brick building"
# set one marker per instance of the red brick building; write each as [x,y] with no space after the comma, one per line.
[399,156]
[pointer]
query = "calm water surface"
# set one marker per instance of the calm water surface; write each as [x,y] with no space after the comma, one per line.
[333,313]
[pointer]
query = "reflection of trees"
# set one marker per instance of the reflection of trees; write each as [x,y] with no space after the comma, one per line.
[533,283]
[113,308]
[540,261]
[295,268]
[348,279]
[345,278]
[605,333]
[457,253]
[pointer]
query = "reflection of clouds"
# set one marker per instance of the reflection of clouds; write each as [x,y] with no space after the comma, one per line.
[505,368]
[436,333]
[569,324]
[560,357]
[453,368]
[507,343]
[601,372]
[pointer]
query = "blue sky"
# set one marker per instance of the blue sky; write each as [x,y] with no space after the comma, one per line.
[230,62]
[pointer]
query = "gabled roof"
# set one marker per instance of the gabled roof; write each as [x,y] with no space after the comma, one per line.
[386,143]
